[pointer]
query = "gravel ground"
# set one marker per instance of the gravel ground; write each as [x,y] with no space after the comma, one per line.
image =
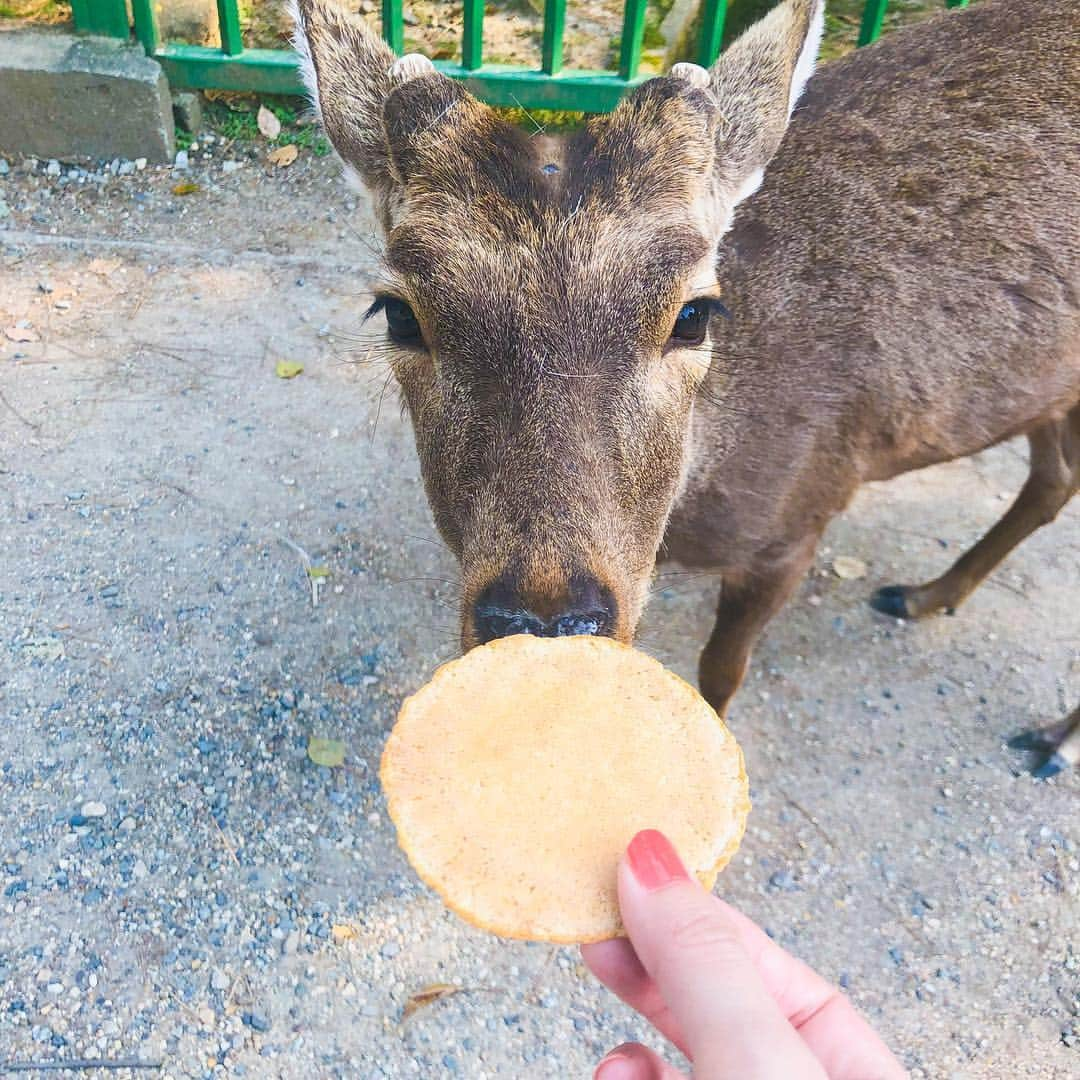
[181,884]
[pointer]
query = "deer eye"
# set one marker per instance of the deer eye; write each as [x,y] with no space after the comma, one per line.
[692,322]
[401,322]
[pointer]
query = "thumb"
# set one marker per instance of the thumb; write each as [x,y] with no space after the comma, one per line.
[632,1061]
[691,948]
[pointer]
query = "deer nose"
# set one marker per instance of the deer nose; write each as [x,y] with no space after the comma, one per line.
[501,611]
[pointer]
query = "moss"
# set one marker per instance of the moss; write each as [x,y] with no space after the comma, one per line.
[551,120]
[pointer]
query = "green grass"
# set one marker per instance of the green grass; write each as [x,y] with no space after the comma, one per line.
[551,120]
[45,11]
[236,117]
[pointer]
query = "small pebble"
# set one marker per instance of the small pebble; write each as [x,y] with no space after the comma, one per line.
[257,1021]
[93,809]
[783,881]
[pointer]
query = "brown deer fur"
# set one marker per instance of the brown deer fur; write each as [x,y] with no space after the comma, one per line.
[903,291]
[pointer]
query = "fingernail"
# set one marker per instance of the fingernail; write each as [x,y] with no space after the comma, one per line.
[615,1066]
[653,861]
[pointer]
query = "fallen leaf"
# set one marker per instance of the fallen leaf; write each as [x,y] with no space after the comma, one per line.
[849,568]
[287,369]
[44,649]
[343,932]
[236,100]
[428,996]
[283,155]
[20,333]
[186,188]
[318,572]
[268,123]
[328,752]
[104,267]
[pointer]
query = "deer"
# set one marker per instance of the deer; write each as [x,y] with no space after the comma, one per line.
[692,328]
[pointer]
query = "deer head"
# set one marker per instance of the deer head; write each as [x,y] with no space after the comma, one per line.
[548,301]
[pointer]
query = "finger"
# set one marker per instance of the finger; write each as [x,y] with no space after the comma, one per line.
[617,966]
[824,1017]
[848,1047]
[632,1061]
[694,953]
[797,989]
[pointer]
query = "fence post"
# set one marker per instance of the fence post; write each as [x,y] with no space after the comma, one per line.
[551,49]
[472,35]
[712,31]
[232,41]
[393,25]
[146,27]
[872,17]
[108,17]
[633,30]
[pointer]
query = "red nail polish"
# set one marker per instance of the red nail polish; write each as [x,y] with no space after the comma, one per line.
[653,861]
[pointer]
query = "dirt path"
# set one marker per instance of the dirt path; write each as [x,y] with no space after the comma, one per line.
[235,909]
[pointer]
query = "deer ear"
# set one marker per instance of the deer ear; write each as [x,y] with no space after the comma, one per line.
[346,67]
[387,118]
[756,84]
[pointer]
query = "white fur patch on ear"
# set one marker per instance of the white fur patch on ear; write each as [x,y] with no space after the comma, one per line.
[807,60]
[303,53]
[410,66]
[694,74]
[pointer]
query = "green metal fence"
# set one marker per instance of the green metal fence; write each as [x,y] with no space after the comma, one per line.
[234,67]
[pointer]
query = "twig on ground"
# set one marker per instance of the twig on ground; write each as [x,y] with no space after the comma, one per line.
[533,990]
[225,840]
[35,428]
[810,817]
[314,580]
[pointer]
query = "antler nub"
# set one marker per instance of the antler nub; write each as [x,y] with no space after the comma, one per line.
[410,66]
[694,74]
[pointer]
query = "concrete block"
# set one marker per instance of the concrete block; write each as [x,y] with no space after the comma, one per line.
[187,112]
[69,97]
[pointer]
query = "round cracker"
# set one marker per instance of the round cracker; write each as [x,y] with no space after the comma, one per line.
[519,774]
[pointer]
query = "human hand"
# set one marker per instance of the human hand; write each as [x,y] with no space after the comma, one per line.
[710,980]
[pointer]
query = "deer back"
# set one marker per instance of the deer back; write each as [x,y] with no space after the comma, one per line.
[904,286]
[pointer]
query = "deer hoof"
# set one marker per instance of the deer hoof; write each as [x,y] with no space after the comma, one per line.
[694,74]
[410,66]
[1053,765]
[891,600]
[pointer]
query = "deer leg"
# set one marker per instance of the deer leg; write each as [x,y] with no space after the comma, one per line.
[747,602]
[1053,478]
[1061,741]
